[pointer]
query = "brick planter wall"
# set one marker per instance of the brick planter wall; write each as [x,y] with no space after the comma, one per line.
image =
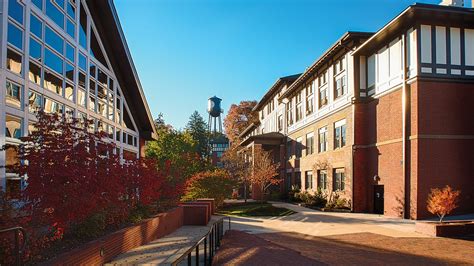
[196,213]
[104,249]
[448,229]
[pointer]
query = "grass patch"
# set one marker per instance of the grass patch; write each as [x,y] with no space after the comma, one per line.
[255,210]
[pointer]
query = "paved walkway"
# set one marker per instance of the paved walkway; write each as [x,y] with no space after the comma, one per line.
[316,223]
[167,249]
[311,237]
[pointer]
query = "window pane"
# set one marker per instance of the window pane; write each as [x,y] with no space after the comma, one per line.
[91,87]
[36,26]
[13,127]
[13,95]
[81,98]
[14,61]
[35,49]
[82,80]
[54,13]
[53,83]
[101,93]
[92,103]
[71,28]
[71,9]
[51,106]
[35,73]
[35,101]
[92,69]
[82,62]
[102,78]
[70,52]
[69,92]
[53,61]
[83,28]
[54,40]
[69,72]
[38,3]
[15,10]
[15,36]
[101,108]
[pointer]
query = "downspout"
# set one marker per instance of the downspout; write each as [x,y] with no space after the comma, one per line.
[404,126]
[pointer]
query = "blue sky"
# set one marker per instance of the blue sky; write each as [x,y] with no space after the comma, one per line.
[186,51]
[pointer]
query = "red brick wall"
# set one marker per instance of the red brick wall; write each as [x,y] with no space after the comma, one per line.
[445,141]
[123,240]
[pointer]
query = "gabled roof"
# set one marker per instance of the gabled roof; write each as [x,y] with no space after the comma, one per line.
[270,137]
[339,45]
[108,25]
[288,80]
[248,129]
[427,13]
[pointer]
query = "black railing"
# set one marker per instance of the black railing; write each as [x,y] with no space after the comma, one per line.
[206,246]
[18,250]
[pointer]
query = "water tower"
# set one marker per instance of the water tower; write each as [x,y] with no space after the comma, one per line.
[218,142]
[214,109]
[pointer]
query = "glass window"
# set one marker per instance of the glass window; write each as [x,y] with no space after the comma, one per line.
[289,149]
[69,72]
[70,52]
[53,83]
[53,61]
[129,139]
[81,98]
[54,40]
[71,8]
[308,180]
[54,13]
[298,179]
[51,106]
[35,49]
[13,96]
[83,28]
[71,28]
[95,49]
[110,131]
[35,73]
[60,3]
[69,112]
[298,147]
[101,93]
[339,179]
[82,80]
[309,144]
[15,36]
[323,97]
[101,108]
[102,78]
[36,26]
[38,3]
[92,70]
[322,179]
[69,92]
[340,134]
[92,103]
[35,101]
[323,139]
[14,61]
[341,87]
[111,112]
[31,127]
[13,127]
[82,62]
[117,134]
[15,10]
[91,87]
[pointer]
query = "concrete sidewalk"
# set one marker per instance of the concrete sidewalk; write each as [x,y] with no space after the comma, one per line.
[317,223]
[167,249]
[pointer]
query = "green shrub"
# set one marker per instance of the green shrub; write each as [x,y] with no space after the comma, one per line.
[92,227]
[293,194]
[139,213]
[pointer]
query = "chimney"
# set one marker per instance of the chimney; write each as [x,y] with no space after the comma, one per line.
[456,3]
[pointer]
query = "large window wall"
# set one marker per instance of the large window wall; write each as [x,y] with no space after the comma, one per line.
[54,60]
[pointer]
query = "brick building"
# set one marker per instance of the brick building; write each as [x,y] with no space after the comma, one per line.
[382,118]
[68,57]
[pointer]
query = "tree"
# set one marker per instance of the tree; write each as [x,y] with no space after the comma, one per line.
[197,127]
[217,184]
[239,118]
[237,167]
[264,171]
[178,149]
[160,123]
[442,201]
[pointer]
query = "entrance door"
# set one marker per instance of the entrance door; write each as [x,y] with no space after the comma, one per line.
[378,199]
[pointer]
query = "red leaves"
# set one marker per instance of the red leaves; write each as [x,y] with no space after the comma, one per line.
[442,201]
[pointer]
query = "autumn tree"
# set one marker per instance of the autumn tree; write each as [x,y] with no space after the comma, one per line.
[217,184]
[264,171]
[442,201]
[197,128]
[239,117]
[237,166]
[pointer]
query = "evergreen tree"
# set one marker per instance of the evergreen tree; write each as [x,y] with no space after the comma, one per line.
[197,127]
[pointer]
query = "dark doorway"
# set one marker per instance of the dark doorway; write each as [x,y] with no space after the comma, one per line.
[378,199]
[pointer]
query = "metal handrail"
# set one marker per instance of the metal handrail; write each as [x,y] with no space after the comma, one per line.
[18,251]
[215,234]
